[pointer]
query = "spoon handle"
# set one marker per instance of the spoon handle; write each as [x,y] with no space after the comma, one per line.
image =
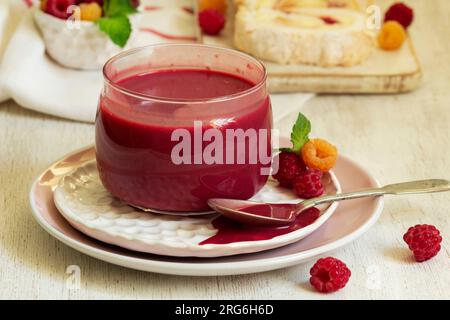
[420,186]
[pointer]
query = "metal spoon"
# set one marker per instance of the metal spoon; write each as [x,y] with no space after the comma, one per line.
[255,213]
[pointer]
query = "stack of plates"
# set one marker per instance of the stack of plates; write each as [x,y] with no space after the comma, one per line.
[69,202]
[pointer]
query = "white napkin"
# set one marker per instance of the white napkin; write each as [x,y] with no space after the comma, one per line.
[10,13]
[34,81]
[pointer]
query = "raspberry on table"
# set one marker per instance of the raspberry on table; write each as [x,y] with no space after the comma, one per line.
[58,8]
[289,166]
[424,241]
[319,154]
[401,13]
[392,35]
[308,184]
[211,21]
[329,275]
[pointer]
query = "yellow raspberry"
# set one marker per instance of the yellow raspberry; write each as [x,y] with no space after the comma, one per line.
[319,154]
[90,11]
[391,36]
[43,5]
[219,5]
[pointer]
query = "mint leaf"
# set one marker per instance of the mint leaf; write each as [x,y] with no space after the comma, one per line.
[115,22]
[300,132]
[117,28]
[113,8]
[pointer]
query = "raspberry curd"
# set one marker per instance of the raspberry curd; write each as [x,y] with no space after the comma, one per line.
[152,92]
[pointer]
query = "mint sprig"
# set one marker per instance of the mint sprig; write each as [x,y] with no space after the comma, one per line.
[299,134]
[115,22]
[112,8]
[117,28]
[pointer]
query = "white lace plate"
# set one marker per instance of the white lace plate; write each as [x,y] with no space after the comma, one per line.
[90,208]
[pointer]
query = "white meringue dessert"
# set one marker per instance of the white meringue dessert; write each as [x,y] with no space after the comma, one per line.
[80,44]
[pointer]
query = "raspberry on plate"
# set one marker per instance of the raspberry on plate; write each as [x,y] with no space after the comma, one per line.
[319,154]
[424,241]
[329,275]
[308,184]
[58,8]
[289,166]
[211,21]
[401,13]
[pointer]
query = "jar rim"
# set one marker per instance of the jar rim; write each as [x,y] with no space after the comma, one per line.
[144,96]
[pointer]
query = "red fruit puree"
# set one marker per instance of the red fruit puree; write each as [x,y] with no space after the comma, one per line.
[133,138]
[230,231]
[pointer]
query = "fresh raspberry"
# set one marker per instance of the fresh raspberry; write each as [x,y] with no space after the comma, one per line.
[58,8]
[391,36]
[329,275]
[211,21]
[308,184]
[289,166]
[319,154]
[401,13]
[424,241]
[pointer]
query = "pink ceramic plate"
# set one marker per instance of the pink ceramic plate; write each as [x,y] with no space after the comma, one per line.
[350,220]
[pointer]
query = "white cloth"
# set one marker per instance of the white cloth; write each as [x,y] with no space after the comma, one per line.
[10,12]
[34,81]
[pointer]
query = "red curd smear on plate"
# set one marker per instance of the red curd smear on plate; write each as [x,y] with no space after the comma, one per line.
[230,231]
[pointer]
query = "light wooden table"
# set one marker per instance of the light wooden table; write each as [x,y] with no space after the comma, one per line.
[398,137]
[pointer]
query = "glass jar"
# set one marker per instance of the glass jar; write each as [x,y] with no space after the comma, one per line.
[178,124]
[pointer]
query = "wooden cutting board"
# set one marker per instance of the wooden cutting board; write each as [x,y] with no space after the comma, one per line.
[384,71]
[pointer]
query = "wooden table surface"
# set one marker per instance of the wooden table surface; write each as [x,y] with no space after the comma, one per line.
[397,137]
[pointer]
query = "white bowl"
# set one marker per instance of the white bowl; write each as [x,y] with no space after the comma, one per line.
[80,47]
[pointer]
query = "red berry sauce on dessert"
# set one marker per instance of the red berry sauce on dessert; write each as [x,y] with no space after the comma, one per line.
[134,137]
[329,20]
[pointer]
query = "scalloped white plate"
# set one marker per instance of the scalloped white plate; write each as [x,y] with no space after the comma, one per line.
[351,219]
[90,208]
